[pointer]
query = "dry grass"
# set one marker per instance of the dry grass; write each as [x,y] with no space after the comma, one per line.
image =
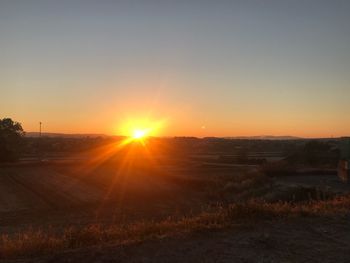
[239,188]
[37,242]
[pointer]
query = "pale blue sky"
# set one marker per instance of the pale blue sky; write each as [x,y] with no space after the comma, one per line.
[235,67]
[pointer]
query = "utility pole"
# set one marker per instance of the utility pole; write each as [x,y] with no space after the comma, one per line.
[39,142]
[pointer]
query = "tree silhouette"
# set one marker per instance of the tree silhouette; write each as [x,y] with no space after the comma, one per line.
[11,137]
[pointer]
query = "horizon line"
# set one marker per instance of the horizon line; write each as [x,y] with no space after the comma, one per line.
[58,134]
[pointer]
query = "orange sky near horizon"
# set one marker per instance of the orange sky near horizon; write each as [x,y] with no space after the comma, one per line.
[202,115]
[187,124]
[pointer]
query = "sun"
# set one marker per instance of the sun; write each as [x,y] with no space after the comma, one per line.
[139,129]
[140,133]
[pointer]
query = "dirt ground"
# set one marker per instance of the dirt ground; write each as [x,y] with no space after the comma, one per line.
[61,195]
[42,188]
[295,240]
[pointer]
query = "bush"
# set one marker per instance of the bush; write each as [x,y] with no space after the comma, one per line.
[315,153]
[11,136]
[278,169]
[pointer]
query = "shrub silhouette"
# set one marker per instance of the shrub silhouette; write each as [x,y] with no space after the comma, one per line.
[11,137]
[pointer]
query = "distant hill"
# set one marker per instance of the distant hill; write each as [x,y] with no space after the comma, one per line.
[63,135]
[266,137]
[82,135]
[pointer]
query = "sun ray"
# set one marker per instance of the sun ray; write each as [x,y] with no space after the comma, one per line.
[131,156]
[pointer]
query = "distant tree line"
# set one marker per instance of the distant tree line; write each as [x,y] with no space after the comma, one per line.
[13,145]
[48,145]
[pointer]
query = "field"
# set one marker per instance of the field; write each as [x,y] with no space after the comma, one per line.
[61,191]
[169,208]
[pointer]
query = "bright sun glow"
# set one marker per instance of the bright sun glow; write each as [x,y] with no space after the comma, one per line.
[140,133]
[140,129]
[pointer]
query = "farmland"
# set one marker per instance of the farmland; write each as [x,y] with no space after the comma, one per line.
[127,200]
[62,192]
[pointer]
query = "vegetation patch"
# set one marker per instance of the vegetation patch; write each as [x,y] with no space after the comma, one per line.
[297,194]
[281,168]
[33,242]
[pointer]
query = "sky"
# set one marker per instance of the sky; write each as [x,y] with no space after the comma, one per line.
[198,68]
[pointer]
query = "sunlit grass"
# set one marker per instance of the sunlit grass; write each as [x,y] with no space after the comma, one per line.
[34,242]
